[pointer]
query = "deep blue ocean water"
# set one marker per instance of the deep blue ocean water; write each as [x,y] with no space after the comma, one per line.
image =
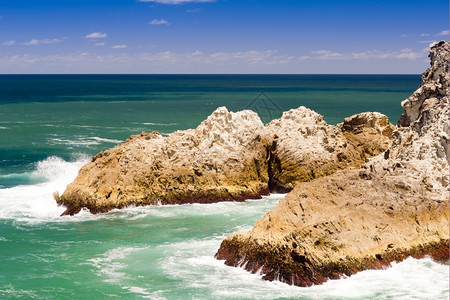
[50,125]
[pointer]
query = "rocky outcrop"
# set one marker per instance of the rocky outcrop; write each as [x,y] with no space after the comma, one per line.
[224,158]
[305,147]
[369,132]
[392,207]
[228,157]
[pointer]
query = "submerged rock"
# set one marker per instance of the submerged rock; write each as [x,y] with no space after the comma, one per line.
[392,207]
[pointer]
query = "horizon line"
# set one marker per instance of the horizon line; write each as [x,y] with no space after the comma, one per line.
[207,74]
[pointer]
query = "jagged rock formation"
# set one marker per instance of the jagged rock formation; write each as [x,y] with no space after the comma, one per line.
[392,207]
[228,157]
[224,158]
[305,147]
[370,133]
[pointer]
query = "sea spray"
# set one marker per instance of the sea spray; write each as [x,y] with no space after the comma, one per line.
[34,202]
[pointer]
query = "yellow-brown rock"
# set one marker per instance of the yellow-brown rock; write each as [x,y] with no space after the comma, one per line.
[392,207]
[305,147]
[228,157]
[224,158]
[369,132]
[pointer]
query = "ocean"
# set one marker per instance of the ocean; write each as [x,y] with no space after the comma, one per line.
[50,125]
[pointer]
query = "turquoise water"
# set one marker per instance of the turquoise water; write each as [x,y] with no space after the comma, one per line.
[51,125]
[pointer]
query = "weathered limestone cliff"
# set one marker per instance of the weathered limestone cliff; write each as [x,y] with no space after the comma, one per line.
[228,157]
[392,207]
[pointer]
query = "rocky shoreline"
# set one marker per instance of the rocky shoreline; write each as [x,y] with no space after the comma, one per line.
[394,206]
[362,194]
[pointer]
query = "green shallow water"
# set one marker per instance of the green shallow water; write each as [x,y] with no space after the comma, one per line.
[50,125]
[168,253]
[68,115]
[159,251]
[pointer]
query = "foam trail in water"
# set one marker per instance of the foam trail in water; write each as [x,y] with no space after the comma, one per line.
[83,141]
[160,124]
[109,265]
[35,203]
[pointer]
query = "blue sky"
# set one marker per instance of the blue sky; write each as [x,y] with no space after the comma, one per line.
[219,36]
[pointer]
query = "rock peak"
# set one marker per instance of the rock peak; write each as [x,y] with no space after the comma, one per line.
[435,86]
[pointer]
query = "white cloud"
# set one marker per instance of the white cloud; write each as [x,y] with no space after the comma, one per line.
[159,22]
[96,35]
[35,42]
[406,35]
[252,58]
[175,2]
[424,34]
[99,44]
[406,53]
[9,43]
[426,42]
[328,55]
[250,61]
[119,47]
[444,32]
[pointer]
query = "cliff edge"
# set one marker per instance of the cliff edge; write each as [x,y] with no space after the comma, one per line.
[392,207]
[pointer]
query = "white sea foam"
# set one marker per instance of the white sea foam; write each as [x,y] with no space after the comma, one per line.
[35,203]
[50,125]
[193,263]
[144,293]
[103,140]
[9,291]
[409,279]
[83,141]
[17,176]
[160,124]
[109,265]
[249,207]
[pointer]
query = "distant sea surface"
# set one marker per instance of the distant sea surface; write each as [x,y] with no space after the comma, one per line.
[50,125]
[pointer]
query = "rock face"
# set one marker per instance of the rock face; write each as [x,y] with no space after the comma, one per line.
[224,158]
[228,157]
[392,207]
[305,147]
[370,132]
